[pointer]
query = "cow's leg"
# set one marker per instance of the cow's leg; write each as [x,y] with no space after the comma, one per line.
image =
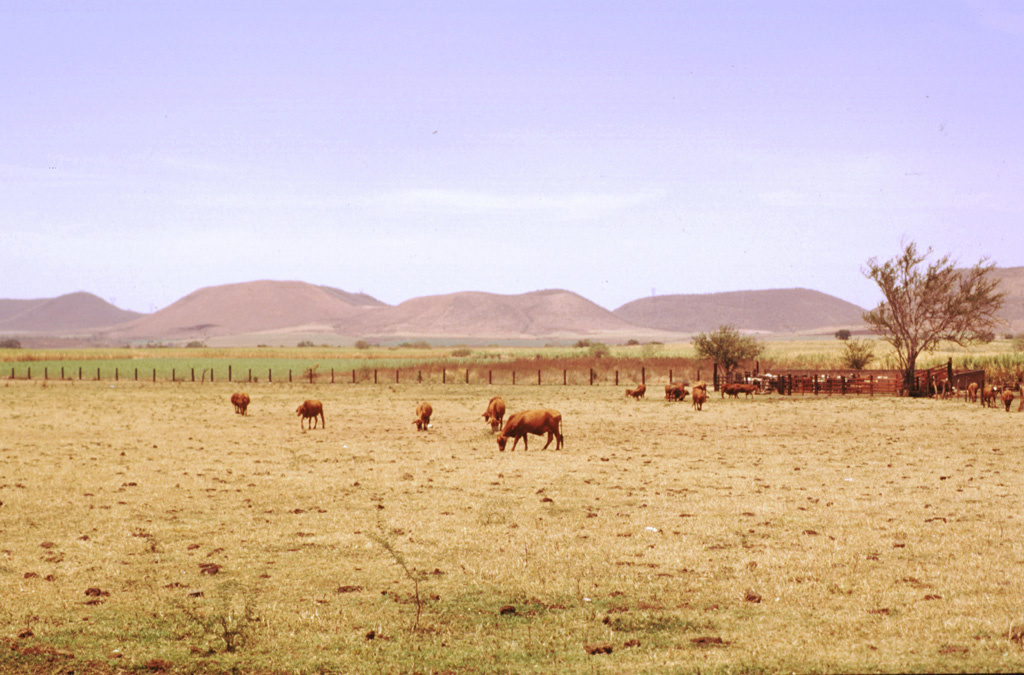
[550,436]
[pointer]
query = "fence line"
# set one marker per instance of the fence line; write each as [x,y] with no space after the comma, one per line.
[790,382]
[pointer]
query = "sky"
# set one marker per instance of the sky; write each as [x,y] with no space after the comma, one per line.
[401,149]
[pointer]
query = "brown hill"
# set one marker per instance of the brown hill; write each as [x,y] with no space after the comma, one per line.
[252,307]
[793,310]
[1011,282]
[549,313]
[67,313]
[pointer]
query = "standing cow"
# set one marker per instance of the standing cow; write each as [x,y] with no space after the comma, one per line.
[495,412]
[675,391]
[241,402]
[537,422]
[1007,397]
[311,409]
[699,396]
[971,393]
[423,412]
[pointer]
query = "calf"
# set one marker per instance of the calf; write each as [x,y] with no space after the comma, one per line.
[637,393]
[700,395]
[241,402]
[495,412]
[311,409]
[971,393]
[423,413]
[537,422]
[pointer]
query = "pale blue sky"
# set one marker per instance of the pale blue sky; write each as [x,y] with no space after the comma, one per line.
[151,148]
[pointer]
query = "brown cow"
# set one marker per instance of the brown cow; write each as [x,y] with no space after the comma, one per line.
[537,422]
[241,402]
[971,393]
[637,393]
[988,395]
[1007,397]
[311,409]
[676,391]
[731,388]
[700,395]
[495,412]
[423,412]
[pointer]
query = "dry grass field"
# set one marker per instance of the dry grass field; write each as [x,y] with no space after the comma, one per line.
[149,528]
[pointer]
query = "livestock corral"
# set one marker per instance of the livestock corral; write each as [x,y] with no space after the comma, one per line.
[149,528]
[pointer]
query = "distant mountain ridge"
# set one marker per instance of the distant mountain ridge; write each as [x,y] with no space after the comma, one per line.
[793,310]
[244,313]
[74,311]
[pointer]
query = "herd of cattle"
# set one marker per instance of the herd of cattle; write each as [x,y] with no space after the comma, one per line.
[547,421]
[989,394]
[537,422]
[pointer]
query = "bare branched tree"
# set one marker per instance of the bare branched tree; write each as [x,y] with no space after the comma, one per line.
[924,306]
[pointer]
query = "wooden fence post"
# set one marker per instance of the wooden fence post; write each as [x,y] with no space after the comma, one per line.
[565,378]
[467,375]
[289,375]
[396,375]
[490,377]
[513,377]
[173,378]
[444,376]
[375,376]
[670,375]
[97,374]
[250,376]
[616,378]
[193,374]
[591,377]
[643,376]
[154,374]
[538,376]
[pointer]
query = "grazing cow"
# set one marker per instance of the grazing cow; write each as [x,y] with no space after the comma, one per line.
[423,413]
[637,393]
[537,422]
[1007,397]
[988,395]
[311,409]
[700,395]
[495,412]
[675,391]
[971,393]
[241,402]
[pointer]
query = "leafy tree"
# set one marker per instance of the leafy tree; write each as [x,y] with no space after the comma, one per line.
[927,304]
[727,347]
[843,334]
[10,343]
[857,354]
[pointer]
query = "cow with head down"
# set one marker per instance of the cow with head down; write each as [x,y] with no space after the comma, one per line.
[495,412]
[423,412]
[971,393]
[1007,397]
[638,393]
[241,402]
[537,422]
[675,391]
[311,409]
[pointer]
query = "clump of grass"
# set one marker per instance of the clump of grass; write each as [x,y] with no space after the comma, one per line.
[382,538]
[224,624]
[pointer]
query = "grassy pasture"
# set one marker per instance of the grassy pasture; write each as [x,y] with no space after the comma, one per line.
[798,534]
